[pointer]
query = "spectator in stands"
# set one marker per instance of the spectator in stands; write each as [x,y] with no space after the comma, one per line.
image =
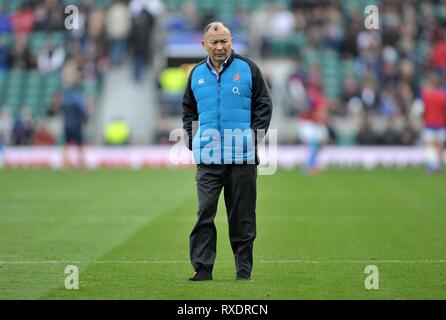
[409,134]
[391,134]
[20,57]
[42,17]
[155,7]
[369,49]
[84,12]
[55,106]
[56,15]
[42,137]
[350,90]
[118,26]
[4,56]
[280,27]
[258,29]
[50,59]
[388,103]
[96,24]
[282,22]
[366,135]
[438,58]
[407,76]
[388,71]
[6,125]
[151,11]
[5,21]
[140,41]
[23,128]
[48,15]
[332,31]
[405,96]
[296,93]
[240,21]
[308,4]
[23,20]
[54,118]
[368,94]
[188,19]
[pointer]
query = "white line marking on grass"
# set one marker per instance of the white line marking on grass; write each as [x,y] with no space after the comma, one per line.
[97,262]
[351,261]
[25,262]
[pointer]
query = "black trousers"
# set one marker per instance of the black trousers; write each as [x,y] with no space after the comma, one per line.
[239,183]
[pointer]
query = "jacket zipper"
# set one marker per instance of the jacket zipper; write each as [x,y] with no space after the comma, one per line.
[218,116]
[218,102]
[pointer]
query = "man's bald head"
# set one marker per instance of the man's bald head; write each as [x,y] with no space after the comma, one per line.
[217,42]
[216,26]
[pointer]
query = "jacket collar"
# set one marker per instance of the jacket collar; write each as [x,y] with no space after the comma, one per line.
[225,64]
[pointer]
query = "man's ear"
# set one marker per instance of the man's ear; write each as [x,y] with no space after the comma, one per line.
[202,43]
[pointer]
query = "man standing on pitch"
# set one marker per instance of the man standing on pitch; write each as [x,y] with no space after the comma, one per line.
[227,100]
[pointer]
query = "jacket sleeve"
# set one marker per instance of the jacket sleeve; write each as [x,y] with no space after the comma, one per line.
[262,106]
[190,113]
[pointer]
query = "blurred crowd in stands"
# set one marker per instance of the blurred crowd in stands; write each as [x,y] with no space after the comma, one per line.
[107,32]
[374,81]
[371,79]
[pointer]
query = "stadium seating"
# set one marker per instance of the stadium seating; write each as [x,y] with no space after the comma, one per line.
[319,51]
[225,10]
[20,88]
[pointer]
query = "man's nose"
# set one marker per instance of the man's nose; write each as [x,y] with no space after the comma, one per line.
[219,47]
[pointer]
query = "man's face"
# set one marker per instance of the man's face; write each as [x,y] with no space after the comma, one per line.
[218,44]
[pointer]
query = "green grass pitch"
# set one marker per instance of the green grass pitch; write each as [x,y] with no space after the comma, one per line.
[127,231]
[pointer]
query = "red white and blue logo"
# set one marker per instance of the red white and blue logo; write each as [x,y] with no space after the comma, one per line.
[236,77]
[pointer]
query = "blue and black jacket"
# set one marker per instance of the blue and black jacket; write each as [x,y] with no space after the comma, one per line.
[229,108]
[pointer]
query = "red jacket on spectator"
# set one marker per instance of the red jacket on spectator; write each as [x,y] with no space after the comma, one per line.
[23,21]
[434,107]
[439,55]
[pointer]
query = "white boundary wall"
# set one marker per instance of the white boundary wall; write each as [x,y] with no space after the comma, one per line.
[166,156]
